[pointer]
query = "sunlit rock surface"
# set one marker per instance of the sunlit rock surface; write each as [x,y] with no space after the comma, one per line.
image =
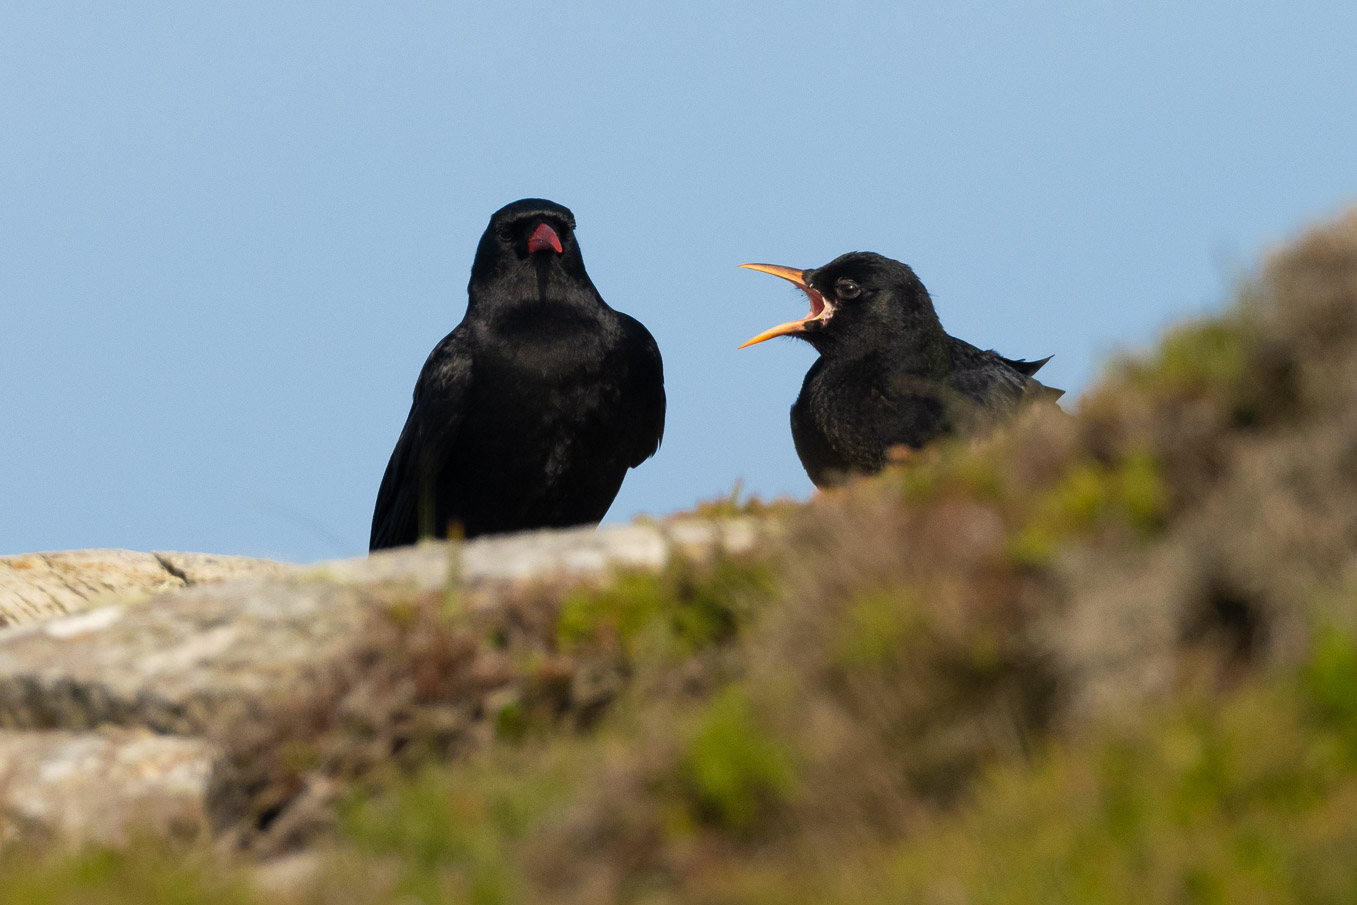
[114,663]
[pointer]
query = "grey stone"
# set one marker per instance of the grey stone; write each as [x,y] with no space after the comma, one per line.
[102,787]
[42,585]
[545,555]
[37,586]
[175,663]
[190,640]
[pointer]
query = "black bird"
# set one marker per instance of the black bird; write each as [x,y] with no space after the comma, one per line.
[888,376]
[529,413]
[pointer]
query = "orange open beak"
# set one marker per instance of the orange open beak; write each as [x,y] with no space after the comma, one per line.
[820,309]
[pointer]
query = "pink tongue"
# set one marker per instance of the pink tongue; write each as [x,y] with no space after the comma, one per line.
[542,238]
[817,301]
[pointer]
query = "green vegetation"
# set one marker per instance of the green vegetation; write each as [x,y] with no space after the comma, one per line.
[142,873]
[448,836]
[734,767]
[1090,494]
[1249,799]
[1208,356]
[678,612]
[876,628]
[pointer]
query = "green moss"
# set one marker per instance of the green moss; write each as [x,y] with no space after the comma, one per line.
[954,466]
[734,767]
[511,722]
[1132,491]
[876,628]
[1330,685]
[630,602]
[683,609]
[1198,357]
[402,613]
[141,875]
[449,834]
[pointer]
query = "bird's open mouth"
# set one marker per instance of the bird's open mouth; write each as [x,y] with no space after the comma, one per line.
[821,309]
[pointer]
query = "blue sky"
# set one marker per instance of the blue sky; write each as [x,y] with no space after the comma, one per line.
[230,233]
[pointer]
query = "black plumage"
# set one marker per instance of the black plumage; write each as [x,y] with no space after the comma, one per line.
[529,413]
[888,375]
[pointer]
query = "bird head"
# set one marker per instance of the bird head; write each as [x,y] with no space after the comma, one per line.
[529,251]
[860,294]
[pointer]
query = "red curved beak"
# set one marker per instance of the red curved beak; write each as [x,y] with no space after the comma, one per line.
[543,238]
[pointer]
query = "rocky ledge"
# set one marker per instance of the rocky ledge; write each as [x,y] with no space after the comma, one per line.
[114,665]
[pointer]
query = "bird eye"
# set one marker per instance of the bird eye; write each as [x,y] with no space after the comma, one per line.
[847,289]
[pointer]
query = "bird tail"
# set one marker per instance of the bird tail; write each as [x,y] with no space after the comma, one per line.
[1026,368]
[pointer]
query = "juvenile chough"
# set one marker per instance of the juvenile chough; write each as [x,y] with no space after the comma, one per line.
[888,375]
[529,413]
